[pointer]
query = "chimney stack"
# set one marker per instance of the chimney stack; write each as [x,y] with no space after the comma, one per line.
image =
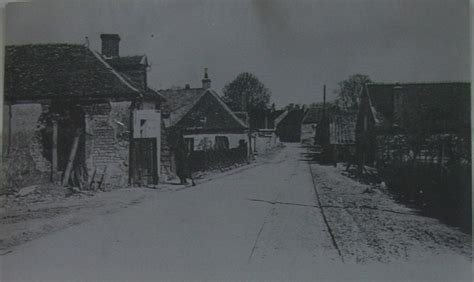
[110,45]
[206,82]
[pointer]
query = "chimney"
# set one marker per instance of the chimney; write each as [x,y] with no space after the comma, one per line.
[206,82]
[397,102]
[110,45]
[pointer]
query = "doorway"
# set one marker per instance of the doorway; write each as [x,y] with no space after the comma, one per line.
[144,165]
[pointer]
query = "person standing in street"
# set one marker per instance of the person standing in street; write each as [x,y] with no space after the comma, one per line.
[183,169]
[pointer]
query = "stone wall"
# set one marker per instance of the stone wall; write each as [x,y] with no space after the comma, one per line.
[24,162]
[166,162]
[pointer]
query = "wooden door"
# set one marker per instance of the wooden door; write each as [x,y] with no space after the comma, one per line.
[144,161]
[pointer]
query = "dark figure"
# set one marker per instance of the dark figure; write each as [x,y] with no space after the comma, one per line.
[244,150]
[183,169]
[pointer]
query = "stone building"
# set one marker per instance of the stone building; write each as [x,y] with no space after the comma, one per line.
[77,117]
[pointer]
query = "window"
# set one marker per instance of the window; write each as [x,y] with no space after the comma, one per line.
[189,144]
[222,143]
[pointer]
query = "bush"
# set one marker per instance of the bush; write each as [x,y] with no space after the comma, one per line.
[441,192]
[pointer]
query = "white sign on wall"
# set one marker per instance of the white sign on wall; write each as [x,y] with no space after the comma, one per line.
[147,124]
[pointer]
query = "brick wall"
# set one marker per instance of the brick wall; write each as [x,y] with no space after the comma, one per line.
[166,164]
[107,142]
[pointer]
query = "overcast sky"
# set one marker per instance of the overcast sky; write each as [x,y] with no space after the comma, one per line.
[293,47]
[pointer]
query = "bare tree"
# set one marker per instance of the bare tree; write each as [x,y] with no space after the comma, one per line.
[349,91]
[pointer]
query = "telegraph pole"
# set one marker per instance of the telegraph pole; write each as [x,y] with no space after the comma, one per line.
[324,102]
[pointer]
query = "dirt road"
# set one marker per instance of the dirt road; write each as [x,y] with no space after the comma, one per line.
[261,223]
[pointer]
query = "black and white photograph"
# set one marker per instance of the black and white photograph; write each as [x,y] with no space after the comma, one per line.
[236,140]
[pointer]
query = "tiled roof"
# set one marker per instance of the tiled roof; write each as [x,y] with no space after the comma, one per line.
[44,71]
[381,93]
[179,102]
[313,115]
[342,129]
[453,97]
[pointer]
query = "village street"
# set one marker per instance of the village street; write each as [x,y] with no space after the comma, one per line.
[261,222]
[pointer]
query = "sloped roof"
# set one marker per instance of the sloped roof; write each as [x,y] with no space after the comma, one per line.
[313,115]
[293,117]
[179,102]
[451,97]
[128,62]
[279,115]
[342,129]
[243,116]
[43,71]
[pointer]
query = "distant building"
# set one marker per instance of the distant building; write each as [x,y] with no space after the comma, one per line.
[289,127]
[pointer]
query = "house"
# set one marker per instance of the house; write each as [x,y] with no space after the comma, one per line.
[311,119]
[289,127]
[70,117]
[412,115]
[204,120]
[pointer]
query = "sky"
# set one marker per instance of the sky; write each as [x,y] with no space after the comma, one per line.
[293,47]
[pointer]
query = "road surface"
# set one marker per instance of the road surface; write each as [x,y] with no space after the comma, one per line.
[259,223]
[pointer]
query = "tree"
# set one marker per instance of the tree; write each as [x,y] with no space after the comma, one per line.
[349,91]
[246,93]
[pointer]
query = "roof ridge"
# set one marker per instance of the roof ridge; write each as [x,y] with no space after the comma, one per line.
[183,88]
[113,71]
[45,44]
[419,82]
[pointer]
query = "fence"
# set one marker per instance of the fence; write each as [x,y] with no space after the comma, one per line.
[217,159]
[436,178]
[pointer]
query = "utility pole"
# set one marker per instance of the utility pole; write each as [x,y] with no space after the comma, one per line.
[324,102]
